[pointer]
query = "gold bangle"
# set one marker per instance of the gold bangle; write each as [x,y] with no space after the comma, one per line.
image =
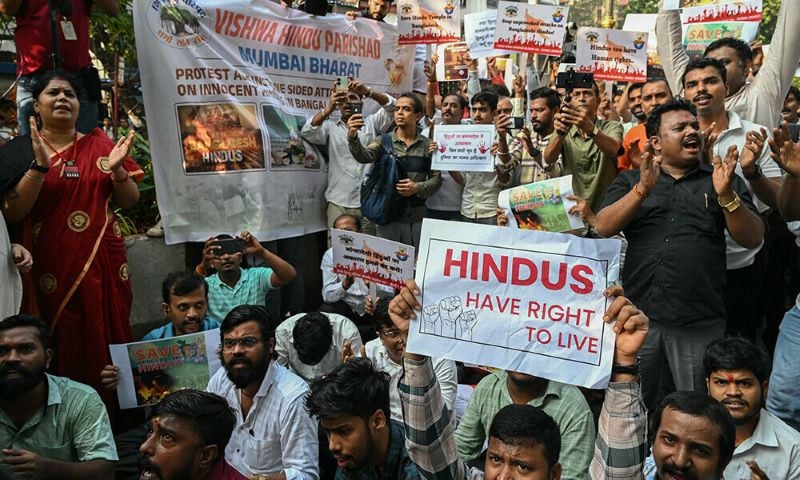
[638,192]
[37,180]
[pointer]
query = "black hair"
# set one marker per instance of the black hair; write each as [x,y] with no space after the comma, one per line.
[355,218]
[41,83]
[634,86]
[486,97]
[380,316]
[462,102]
[211,417]
[743,50]
[353,388]
[551,96]
[705,62]
[415,101]
[181,283]
[653,123]
[312,337]
[249,313]
[701,405]
[795,92]
[527,425]
[498,89]
[22,320]
[734,353]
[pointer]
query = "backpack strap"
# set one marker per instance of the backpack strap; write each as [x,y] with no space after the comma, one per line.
[386,141]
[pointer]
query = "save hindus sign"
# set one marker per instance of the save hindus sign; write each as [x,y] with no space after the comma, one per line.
[520,300]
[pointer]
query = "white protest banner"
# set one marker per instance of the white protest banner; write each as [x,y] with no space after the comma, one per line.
[150,370]
[698,36]
[479,30]
[463,148]
[530,28]
[371,258]
[519,300]
[612,54]
[428,21]
[740,11]
[541,206]
[643,22]
[228,85]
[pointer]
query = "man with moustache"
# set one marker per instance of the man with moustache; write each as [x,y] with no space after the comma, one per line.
[544,104]
[790,111]
[445,203]
[50,427]
[187,433]
[704,85]
[654,92]
[274,438]
[674,211]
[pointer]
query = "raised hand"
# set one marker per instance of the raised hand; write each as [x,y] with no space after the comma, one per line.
[724,171]
[783,151]
[751,152]
[354,124]
[210,253]
[251,243]
[450,309]
[121,150]
[650,169]
[404,306]
[347,352]
[109,377]
[520,81]
[709,139]
[631,326]
[635,153]
[39,149]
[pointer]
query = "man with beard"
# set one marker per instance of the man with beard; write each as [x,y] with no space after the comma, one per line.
[704,85]
[653,93]
[344,173]
[674,212]
[386,353]
[352,405]
[376,10]
[544,104]
[274,436]
[187,434]
[50,427]
[233,285]
[791,108]
[737,374]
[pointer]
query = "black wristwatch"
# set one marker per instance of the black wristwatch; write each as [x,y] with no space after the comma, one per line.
[758,174]
[36,167]
[626,369]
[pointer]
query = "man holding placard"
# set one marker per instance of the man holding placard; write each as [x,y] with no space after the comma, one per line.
[674,211]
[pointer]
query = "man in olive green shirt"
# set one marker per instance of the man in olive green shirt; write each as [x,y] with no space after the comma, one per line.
[50,427]
[564,403]
[589,146]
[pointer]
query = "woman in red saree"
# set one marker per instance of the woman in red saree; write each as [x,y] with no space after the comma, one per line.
[80,273]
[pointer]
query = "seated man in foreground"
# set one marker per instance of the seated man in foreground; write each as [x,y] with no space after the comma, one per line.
[50,427]
[523,439]
[186,438]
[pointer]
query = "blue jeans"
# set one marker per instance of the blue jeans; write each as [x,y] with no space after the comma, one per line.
[87,117]
[783,399]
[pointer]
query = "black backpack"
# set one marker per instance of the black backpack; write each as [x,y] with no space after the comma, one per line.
[380,201]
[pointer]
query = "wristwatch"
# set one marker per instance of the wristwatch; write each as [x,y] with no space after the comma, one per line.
[733,205]
[755,176]
[38,168]
[626,369]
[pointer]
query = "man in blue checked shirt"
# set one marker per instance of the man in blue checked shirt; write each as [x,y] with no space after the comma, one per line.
[524,442]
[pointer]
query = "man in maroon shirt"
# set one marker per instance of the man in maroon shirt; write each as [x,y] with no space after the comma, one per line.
[186,438]
[35,51]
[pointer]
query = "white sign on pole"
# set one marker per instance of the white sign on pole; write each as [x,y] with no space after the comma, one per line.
[463,148]
[520,300]
[612,54]
[479,29]
[372,259]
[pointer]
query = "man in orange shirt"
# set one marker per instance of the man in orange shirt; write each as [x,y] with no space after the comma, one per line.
[655,92]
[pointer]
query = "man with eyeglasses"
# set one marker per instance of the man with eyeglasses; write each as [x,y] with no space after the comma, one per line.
[274,438]
[386,354]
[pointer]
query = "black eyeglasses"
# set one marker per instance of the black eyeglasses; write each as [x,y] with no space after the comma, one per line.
[246,343]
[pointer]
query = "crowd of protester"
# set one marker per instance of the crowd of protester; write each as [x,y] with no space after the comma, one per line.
[697,172]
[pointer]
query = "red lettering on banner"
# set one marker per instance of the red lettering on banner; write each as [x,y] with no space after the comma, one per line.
[577,342]
[524,271]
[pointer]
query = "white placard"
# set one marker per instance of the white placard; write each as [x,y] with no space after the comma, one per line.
[530,28]
[428,21]
[520,300]
[373,259]
[612,54]
[152,369]
[479,32]
[463,148]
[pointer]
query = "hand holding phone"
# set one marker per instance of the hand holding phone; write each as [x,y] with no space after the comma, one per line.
[342,83]
[229,246]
